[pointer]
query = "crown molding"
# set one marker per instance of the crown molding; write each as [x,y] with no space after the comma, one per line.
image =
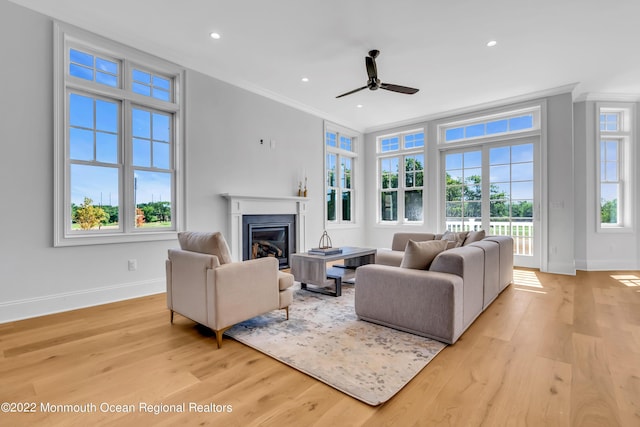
[610,97]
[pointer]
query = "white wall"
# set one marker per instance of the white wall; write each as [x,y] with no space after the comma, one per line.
[560,185]
[224,154]
[224,125]
[600,250]
[35,277]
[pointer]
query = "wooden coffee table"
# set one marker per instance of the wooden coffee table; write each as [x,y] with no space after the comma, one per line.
[310,269]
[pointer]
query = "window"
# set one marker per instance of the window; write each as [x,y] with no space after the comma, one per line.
[463,190]
[613,153]
[490,177]
[401,177]
[340,159]
[117,142]
[491,126]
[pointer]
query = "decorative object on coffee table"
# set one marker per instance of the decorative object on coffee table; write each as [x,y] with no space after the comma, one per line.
[325,246]
[325,241]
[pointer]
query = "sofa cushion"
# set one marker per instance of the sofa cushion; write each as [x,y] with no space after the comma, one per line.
[389,257]
[474,236]
[419,255]
[206,243]
[458,237]
[400,240]
[451,244]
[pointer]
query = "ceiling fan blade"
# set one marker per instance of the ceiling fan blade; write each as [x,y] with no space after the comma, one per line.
[374,82]
[372,70]
[353,91]
[399,89]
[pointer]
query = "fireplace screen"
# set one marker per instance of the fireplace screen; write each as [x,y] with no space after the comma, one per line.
[269,236]
[269,241]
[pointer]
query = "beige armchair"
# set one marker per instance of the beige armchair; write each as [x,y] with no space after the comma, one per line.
[204,285]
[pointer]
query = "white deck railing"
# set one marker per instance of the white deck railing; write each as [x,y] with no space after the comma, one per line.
[522,232]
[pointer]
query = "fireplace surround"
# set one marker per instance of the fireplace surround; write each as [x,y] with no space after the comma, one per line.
[240,205]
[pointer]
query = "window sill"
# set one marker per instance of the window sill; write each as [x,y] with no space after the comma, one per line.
[89,240]
[341,226]
[615,229]
[394,224]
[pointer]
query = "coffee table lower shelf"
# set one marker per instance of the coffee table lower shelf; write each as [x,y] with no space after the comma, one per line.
[338,275]
[314,275]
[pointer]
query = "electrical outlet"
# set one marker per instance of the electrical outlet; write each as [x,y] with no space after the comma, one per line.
[133,264]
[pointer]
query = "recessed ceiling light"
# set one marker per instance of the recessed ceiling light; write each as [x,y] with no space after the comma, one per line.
[492,43]
[359,106]
[215,36]
[305,79]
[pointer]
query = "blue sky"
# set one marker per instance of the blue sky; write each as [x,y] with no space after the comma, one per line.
[94,137]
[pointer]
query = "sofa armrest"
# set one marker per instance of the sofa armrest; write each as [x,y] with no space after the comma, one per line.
[422,302]
[243,290]
[506,258]
[464,261]
[468,263]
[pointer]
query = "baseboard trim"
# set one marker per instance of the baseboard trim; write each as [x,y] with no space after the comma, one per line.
[607,265]
[50,304]
[561,268]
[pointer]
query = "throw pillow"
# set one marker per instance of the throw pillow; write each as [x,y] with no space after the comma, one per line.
[450,244]
[474,236]
[458,237]
[419,255]
[205,243]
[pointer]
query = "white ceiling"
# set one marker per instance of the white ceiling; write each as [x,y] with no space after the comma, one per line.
[267,46]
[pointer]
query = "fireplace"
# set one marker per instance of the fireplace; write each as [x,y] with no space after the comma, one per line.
[269,236]
[241,205]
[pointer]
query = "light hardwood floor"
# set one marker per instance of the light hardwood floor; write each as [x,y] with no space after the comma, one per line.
[550,351]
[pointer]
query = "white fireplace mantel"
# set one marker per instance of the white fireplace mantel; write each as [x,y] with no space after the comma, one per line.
[243,204]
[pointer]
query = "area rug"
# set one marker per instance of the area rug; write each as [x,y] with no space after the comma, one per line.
[324,339]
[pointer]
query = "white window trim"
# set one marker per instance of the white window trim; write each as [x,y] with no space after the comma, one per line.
[339,152]
[541,212]
[626,172]
[512,113]
[401,152]
[65,36]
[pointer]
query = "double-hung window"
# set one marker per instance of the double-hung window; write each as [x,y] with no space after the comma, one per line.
[340,162]
[118,114]
[614,136]
[401,177]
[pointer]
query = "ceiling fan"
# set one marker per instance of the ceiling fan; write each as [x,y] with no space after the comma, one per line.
[374,82]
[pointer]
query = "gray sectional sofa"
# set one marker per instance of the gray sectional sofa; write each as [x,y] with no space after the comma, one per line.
[442,301]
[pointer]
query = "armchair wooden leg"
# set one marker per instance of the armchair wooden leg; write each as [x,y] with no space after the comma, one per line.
[171,316]
[286,309]
[219,333]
